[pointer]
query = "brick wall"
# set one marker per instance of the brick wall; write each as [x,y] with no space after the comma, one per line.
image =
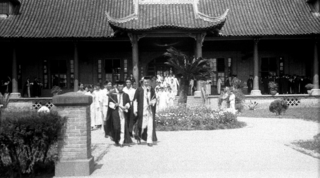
[78,133]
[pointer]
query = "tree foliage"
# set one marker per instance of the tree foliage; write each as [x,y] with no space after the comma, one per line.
[189,68]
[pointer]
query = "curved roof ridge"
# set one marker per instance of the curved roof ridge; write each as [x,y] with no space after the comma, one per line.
[213,19]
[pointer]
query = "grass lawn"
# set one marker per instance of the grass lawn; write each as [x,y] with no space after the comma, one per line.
[310,114]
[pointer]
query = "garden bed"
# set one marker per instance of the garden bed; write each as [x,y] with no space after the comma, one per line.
[200,118]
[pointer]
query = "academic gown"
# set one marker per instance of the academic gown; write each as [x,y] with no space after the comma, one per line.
[139,97]
[113,126]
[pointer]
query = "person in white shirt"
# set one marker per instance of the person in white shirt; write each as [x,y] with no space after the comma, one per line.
[98,109]
[131,118]
[232,99]
[175,85]
[163,99]
[171,97]
[89,91]
[219,83]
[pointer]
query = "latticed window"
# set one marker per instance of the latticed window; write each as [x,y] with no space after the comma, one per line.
[4,7]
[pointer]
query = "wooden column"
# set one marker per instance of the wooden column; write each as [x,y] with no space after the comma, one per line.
[76,67]
[256,90]
[316,90]
[199,43]
[135,56]
[14,80]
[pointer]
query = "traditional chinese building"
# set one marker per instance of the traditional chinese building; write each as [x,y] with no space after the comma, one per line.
[72,41]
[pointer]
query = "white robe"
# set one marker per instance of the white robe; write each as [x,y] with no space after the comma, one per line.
[163,100]
[171,97]
[219,86]
[98,108]
[232,99]
[104,103]
[92,109]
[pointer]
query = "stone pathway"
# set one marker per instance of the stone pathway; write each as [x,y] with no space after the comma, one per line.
[257,150]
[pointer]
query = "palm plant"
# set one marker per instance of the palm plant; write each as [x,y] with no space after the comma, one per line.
[189,68]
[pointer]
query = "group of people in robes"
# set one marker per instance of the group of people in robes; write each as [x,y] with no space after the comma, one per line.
[32,88]
[165,97]
[168,81]
[287,84]
[123,111]
[228,100]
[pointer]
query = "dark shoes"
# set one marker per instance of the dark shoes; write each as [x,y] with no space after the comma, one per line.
[149,144]
[121,145]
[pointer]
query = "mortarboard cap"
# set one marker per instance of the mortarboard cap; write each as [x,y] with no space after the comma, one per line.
[120,82]
[147,78]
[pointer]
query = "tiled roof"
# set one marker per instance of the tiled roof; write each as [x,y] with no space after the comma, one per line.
[88,19]
[158,16]
[264,17]
[58,19]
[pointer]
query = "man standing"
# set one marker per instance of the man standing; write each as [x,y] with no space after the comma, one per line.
[105,102]
[119,103]
[130,91]
[250,84]
[144,109]
[219,84]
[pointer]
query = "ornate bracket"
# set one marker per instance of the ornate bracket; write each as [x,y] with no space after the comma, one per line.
[199,37]
[134,38]
[256,40]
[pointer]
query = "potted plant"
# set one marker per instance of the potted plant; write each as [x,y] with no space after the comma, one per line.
[309,88]
[273,87]
[55,90]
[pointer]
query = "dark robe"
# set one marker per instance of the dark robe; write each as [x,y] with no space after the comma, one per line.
[112,126]
[250,85]
[139,96]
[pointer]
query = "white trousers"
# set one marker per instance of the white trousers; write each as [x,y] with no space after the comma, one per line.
[122,124]
[148,123]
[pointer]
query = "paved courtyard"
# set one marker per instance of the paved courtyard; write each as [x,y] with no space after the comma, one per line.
[257,150]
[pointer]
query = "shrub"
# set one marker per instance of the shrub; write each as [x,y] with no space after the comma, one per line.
[278,106]
[309,86]
[25,140]
[200,118]
[252,105]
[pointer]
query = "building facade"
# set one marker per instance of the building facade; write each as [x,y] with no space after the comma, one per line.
[64,42]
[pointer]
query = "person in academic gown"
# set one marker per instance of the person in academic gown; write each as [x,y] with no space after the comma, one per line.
[145,109]
[116,126]
[249,84]
[131,118]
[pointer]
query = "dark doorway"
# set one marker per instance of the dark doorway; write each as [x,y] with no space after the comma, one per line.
[158,67]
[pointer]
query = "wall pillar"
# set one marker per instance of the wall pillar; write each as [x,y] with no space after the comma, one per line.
[14,80]
[135,56]
[315,90]
[199,43]
[255,90]
[76,68]
[75,157]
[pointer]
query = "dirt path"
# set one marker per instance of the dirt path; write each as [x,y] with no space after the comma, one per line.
[257,150]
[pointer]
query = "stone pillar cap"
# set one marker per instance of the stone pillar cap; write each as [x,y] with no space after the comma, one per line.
[72,99]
